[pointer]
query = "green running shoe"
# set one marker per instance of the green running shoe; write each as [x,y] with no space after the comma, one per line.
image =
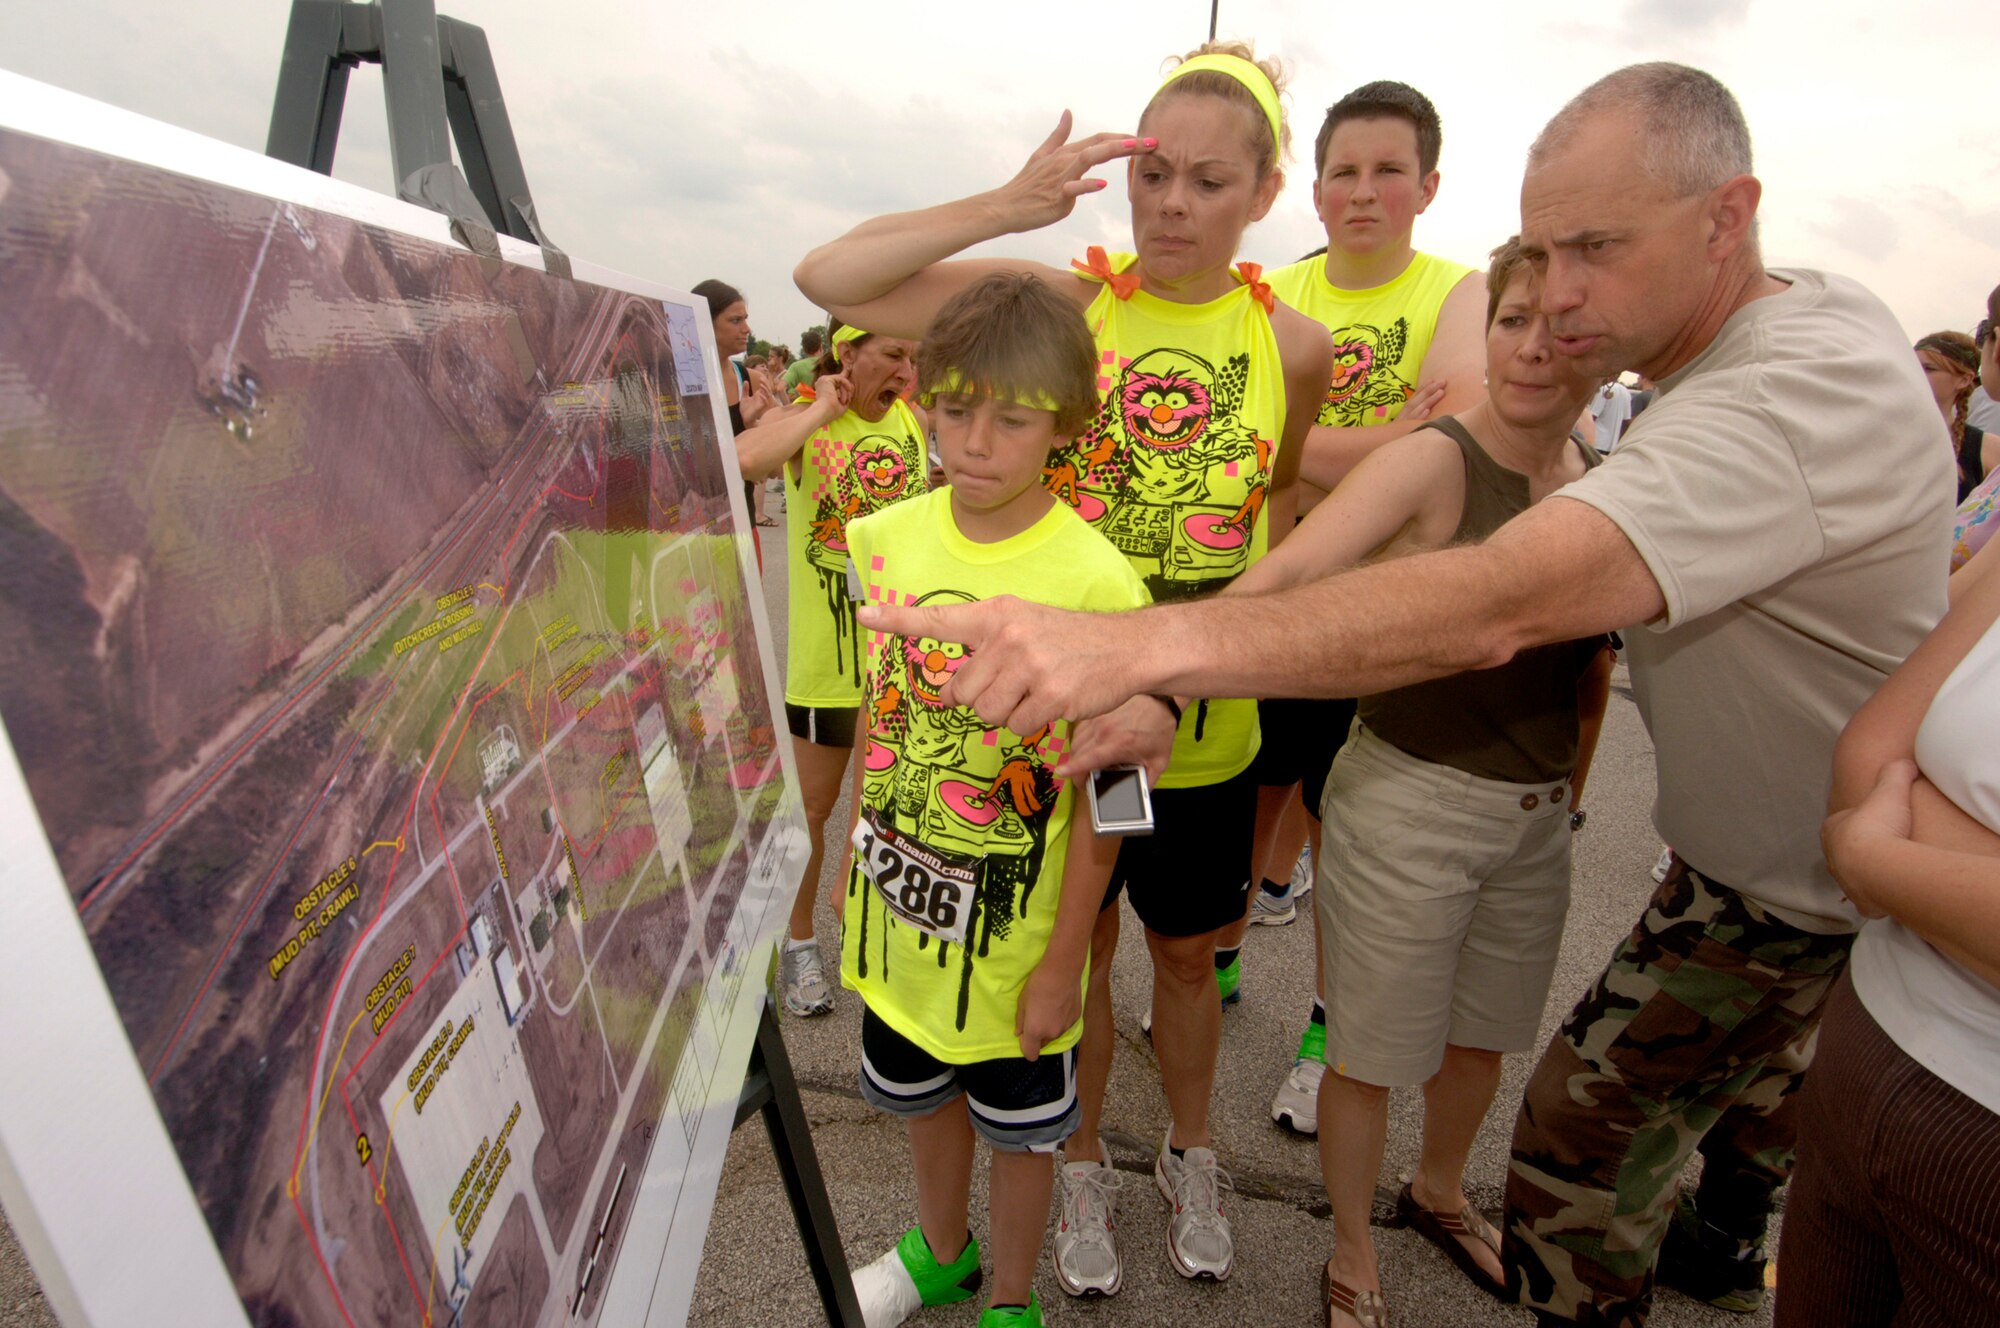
[1229,982]
[1013,1316]
[909,1277]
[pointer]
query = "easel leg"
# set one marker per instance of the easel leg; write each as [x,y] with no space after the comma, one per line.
[791,1139]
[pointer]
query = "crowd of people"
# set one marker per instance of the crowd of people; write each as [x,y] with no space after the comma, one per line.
[1303,543]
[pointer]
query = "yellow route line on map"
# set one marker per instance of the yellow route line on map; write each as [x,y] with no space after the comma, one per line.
[436,1241]
[501,591]
[382,1186]
[396,843]
[320,1111]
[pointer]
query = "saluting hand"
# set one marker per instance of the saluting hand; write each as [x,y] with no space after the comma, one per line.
[1057,173]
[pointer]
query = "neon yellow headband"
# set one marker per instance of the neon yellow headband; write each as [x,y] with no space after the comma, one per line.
[953,385]
[1246,73]
[847,333]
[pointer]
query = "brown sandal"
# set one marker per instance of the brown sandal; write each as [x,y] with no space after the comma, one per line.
[1443,1230]
[1367,1307]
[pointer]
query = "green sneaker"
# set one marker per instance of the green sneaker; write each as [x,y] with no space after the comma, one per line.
[1312,1043]
[1013,1316]
[1229,981]
[909,1277]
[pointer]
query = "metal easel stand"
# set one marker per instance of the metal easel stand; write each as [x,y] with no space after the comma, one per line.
[771,1089]
[439,82]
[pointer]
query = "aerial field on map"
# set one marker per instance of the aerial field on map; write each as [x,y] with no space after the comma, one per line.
[378,651]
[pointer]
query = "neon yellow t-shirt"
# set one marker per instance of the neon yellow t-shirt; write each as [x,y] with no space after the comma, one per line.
[1380,335]
[1176,467]
[846,470]
[966,825]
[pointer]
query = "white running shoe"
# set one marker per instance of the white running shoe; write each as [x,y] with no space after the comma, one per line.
[1199,1242]
[1303,871]
[1663,866]
[802,979]
[1269,910]
[1086,1237]
[1296,1107]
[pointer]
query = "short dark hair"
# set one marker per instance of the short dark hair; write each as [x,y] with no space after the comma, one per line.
[1383,100]
[1010,335]
[811,340]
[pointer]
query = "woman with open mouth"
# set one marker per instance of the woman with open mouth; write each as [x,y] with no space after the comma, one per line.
[850,445]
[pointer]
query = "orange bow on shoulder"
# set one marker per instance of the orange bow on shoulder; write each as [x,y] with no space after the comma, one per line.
[1097,264]
[1260,290]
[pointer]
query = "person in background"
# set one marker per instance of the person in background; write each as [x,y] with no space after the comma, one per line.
[1891,1217]
[800,372]
[1984,410]
[1610,410]
[848,446]
[1409,341]
[729,314]
[1951,366]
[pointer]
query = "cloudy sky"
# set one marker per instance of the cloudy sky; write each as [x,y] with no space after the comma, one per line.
[679,140]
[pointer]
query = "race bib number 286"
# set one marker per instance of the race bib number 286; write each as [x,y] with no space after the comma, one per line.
[915,883]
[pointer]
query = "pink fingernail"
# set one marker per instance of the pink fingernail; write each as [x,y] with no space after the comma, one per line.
[1152,142]
[1129,143]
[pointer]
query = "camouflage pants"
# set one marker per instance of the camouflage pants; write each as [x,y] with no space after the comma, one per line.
[1695,1035]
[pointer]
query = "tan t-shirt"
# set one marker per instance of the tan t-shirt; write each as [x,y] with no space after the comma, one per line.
[1790,490]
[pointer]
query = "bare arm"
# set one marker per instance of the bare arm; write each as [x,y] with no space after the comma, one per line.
[1457,359]
[1307,353]
[1052,999]
[1364,631]
[1948,896]
[1593,694]
[889,275]
[1403,488]
[784,430]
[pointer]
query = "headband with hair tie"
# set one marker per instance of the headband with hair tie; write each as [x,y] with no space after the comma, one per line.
[952,384]
[848,332]
[1245,72]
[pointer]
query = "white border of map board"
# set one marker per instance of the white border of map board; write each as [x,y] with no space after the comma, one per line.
[88,1175]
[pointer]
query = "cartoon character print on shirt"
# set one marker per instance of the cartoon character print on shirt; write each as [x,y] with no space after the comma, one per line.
[1367,387]
[1168,472]
[977,797]
[873,472]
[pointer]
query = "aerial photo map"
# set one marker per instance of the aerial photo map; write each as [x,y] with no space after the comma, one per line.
[377,645]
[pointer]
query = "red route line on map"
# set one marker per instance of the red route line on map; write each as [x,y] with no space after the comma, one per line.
[362,940]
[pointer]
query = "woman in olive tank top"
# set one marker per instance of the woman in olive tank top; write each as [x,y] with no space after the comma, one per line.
[1448,815]
[1190,470]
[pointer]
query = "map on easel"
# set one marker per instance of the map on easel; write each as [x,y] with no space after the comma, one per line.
[382,657]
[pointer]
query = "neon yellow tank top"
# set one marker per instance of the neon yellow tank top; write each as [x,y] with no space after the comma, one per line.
[959,865]
[847,470]
[1175,468]
[1380,335]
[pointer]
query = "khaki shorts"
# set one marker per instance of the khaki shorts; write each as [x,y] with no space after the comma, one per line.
[1441,901]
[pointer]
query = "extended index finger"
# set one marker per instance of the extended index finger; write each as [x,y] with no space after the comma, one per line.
[1094,151]
[962,623]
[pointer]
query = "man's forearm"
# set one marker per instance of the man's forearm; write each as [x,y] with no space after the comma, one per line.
[1354,634]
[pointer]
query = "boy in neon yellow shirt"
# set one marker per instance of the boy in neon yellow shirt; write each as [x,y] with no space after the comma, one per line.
[972,893]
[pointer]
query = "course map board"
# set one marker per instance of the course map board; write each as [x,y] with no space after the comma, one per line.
[381,650]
